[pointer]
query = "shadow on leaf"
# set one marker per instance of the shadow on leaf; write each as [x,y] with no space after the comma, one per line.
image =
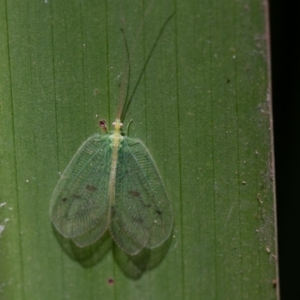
[87,256]
[135,266]
[132,266]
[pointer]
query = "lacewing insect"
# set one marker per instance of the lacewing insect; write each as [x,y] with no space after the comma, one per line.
[112,183]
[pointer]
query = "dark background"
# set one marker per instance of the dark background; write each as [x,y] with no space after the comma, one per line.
[285,52]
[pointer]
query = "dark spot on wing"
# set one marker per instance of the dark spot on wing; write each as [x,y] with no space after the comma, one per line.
[110,281]
[64,199]
[113,211]
[228,80]
[159,212]
[91,188]
[146,205]
[134,193]
[138,220]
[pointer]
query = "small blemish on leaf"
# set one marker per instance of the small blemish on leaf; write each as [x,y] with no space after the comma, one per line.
[110,281]
[102,124]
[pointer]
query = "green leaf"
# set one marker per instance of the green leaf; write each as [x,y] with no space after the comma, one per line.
[202,110]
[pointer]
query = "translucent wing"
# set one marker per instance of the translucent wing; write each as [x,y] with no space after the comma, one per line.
[79,204]
[141,216]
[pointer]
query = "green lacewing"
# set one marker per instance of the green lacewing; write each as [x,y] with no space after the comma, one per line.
[112,184]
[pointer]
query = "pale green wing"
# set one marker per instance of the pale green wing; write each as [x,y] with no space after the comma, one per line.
[79,204]
[141,216]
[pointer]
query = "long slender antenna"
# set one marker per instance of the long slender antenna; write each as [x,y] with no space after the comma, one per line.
[125,84]
[126,79]
[124,105]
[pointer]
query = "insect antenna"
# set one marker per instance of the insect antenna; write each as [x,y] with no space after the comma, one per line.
[125,103]
[125,84]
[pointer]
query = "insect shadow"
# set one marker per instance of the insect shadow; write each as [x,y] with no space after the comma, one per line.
[133,267]
[87,256]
